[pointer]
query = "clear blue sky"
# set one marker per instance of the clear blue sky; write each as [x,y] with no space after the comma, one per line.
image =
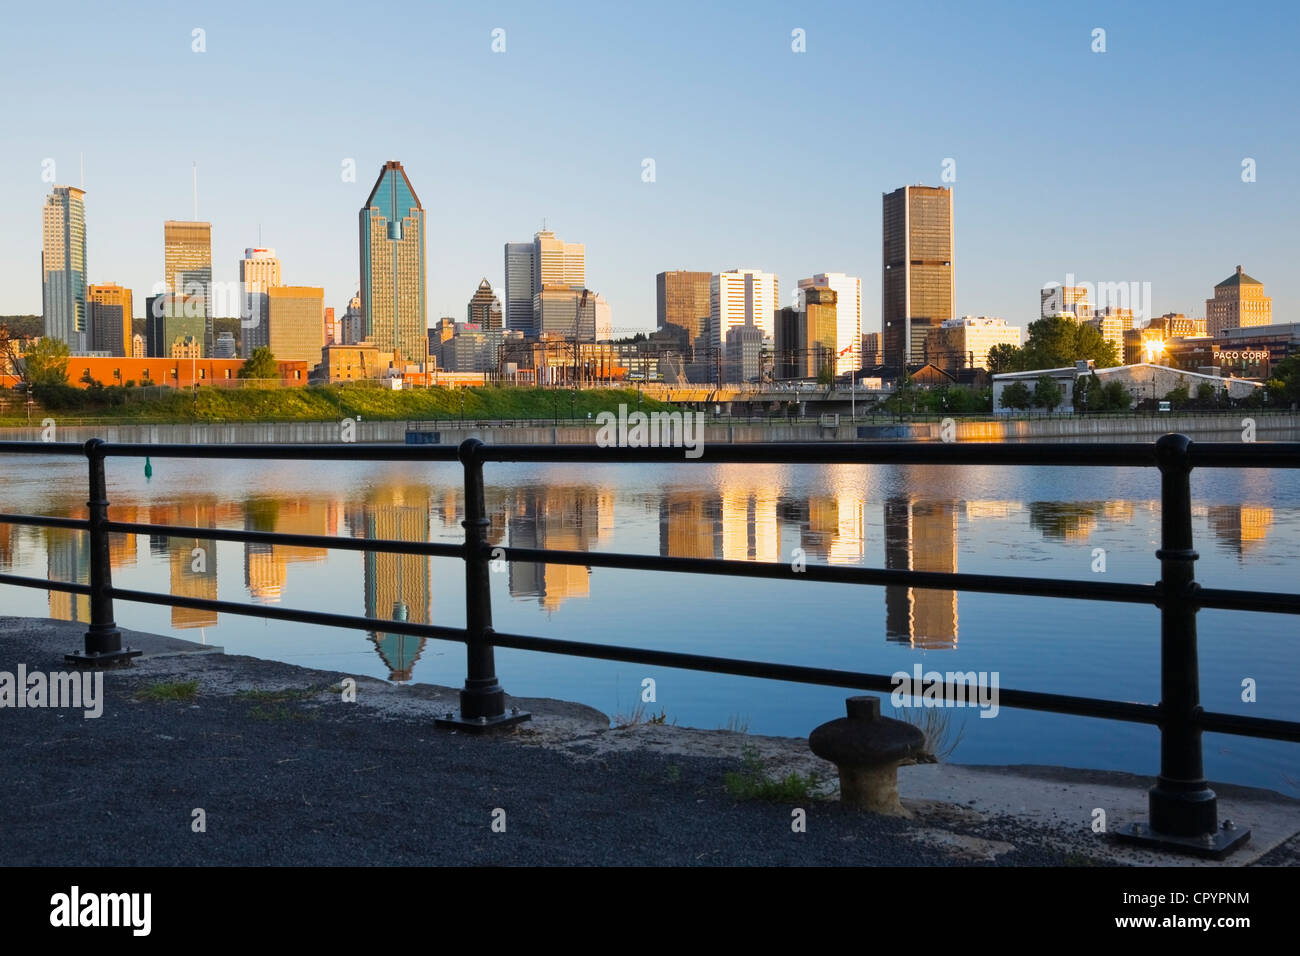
[1123,166]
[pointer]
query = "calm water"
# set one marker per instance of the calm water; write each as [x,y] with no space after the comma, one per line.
[1044,521]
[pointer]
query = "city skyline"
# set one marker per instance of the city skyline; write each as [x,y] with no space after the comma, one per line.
[1180,216]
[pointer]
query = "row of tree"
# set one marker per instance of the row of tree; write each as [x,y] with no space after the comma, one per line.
[1055,342]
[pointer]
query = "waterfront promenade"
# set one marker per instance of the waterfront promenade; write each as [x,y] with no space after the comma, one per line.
[285,772]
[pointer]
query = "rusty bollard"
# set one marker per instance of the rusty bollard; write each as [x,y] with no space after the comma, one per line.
[868,749]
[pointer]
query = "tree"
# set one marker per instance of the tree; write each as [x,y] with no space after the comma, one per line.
[1005,357]
[826,375]
[1284,383]
[261,364]
[1047,392]
[47,362]
[1179,396]
[1111,397]
[1206,395]
[1086,388]
[1017,395]
[1059,341]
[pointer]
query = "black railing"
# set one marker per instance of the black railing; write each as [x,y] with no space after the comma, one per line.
[1182,808]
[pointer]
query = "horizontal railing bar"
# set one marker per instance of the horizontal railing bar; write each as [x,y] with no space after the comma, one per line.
[938,580]
[42,584]
[343,451]
[386,545]
[1225,599]
[324,618]
[1026,700]
[76,524]
[1269,727]
[42,447]
[1268,454]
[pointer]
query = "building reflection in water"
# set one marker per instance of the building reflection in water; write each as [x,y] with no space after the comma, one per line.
[921,535]
[561,519]
[397,587]
[1239,528]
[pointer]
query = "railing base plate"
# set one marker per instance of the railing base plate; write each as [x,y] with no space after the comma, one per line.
[98,660]
[1214,846]
[481,725]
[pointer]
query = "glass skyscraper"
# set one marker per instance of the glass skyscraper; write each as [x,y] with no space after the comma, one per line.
[917,286]
[63,267]
[392,266]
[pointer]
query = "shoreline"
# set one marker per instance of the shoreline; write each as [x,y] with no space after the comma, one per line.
[275,757]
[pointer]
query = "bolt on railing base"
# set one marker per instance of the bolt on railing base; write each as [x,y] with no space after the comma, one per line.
[1214,846]
[481,725]
[101,659]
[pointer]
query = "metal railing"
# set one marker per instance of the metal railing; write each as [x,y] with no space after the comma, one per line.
[1182,807]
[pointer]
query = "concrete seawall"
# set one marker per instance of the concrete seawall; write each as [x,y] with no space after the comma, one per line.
[1275,427]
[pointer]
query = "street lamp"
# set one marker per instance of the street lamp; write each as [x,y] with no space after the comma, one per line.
[1154,348]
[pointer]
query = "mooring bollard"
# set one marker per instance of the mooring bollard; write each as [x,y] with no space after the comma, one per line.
[868,749]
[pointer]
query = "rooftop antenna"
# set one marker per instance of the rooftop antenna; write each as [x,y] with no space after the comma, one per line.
[83,170]
[196,192]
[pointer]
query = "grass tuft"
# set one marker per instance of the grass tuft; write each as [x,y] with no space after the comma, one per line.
[170,691]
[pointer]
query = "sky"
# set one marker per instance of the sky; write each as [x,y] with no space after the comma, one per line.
[1122,166]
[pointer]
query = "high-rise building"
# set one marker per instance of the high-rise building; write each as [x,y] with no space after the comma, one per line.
[1112,322]
[1056,299]
[918,286]
[604,317]
[187,251]
[1148,342]
[331,327]
[741,297]
[744,353]
[484,309]
[531,266]
[138,348]
[848,316]
[566,311]
[63,267]
[393,265]
[1239,303]
[871,351]
[110,318]
[295,323]
[519,286]
[173,322]
[225,347]
[353,324]
[964,343]
[682,299]
[259,271]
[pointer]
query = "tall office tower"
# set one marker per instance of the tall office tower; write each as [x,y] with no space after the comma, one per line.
[744,354]
[789,341]
[1055,299]
[1239,303]
[821,312]
[354,328]
[682,299]
[331,327]
[296,323]
[871,353]
[519,287]
[393,265]
[110,319]
[187,250]
[63,267]
[918,288]
[741,297]
[848,317]
[259,271]
[566,311]
[558,262]
[484,309]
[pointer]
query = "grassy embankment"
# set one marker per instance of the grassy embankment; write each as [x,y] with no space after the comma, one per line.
[324,403]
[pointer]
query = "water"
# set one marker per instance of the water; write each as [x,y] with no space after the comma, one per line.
[1032,521]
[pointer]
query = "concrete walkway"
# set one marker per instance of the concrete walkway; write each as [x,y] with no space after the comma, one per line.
[266,764]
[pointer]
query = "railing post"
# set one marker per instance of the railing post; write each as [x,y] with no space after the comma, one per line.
[482,699]
[103,643]
[1183,811]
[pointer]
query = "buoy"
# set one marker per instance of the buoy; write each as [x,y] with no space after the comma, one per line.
[148,468]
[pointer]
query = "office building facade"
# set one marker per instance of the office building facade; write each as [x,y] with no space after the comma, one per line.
[63,267]
[110,318]
[296,323]
[392,240]
[848,316]
[1239,303]
[918,284]
[187,253]
[682,300]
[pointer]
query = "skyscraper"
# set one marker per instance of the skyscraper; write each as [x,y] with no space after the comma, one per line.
[484,309]
[848,316]
[187,250]
[110,319]
[1239,303]
[682,299]
[63,267]
[393,265]
[918,288]
[259,271]
[741,297]
[546,261]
